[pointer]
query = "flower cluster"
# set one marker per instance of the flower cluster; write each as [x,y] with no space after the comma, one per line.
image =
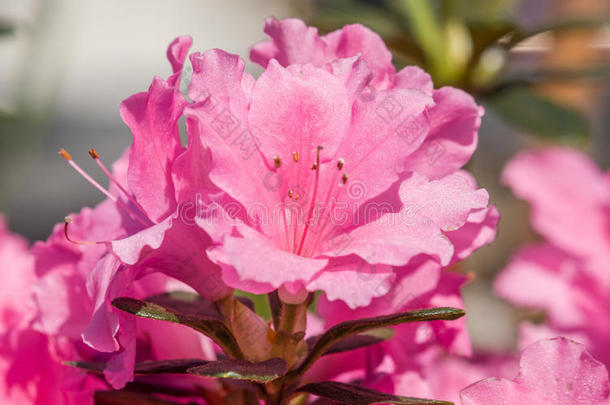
[332,184]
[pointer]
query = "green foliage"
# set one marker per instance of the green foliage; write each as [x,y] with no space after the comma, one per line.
[537,115]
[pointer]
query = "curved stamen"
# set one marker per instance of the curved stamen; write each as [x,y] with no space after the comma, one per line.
[68,221]
[316,167]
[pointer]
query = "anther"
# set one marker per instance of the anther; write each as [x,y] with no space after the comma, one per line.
[344,178]
[314,166]
[340,164]
[64,154]
[277,161]
[289,193]
[93,153]
[295,156]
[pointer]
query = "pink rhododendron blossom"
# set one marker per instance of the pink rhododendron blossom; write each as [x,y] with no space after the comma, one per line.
[324,185]
[567,274]
[330,171]
[556,371]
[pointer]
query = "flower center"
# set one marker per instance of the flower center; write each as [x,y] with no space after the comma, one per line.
[307,207]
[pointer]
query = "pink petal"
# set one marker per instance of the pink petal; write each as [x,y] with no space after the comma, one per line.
[447,201]
[381,136]
[104,324]
[221,113]
[453,136]
[175,247]
[153,119]
[352,280]
[119,369]
[257,258]
[177,51]
[190,171]
[298,109]
[394,239]
[292,42]
[557,371]
[356,39]
[480,229]
[413,77]
[132,249]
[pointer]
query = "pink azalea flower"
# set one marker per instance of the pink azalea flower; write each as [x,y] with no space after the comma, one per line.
[324,184]
[567,274]
[556,371]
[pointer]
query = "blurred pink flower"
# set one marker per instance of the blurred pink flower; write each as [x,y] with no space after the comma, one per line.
[567,275]
[30,362]
[324,183]
[556,371]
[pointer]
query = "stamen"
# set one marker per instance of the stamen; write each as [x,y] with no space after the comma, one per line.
[344,178]
[93,153]
[63,153]
[313,201]
[314,166]
[277,161]
[295,156]
[340,164]
[68,221]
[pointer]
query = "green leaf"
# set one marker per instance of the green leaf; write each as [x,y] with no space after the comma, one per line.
[179,366]
[355,341]
[344,329]
[128,398]
[262,372]
[186,310]
[357,395]
[535,114]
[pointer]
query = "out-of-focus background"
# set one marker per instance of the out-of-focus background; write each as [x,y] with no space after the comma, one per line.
[539,67]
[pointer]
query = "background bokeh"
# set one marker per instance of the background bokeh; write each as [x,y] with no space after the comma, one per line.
[539,67]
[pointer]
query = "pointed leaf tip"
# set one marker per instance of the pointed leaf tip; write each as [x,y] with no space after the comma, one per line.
[343,330]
